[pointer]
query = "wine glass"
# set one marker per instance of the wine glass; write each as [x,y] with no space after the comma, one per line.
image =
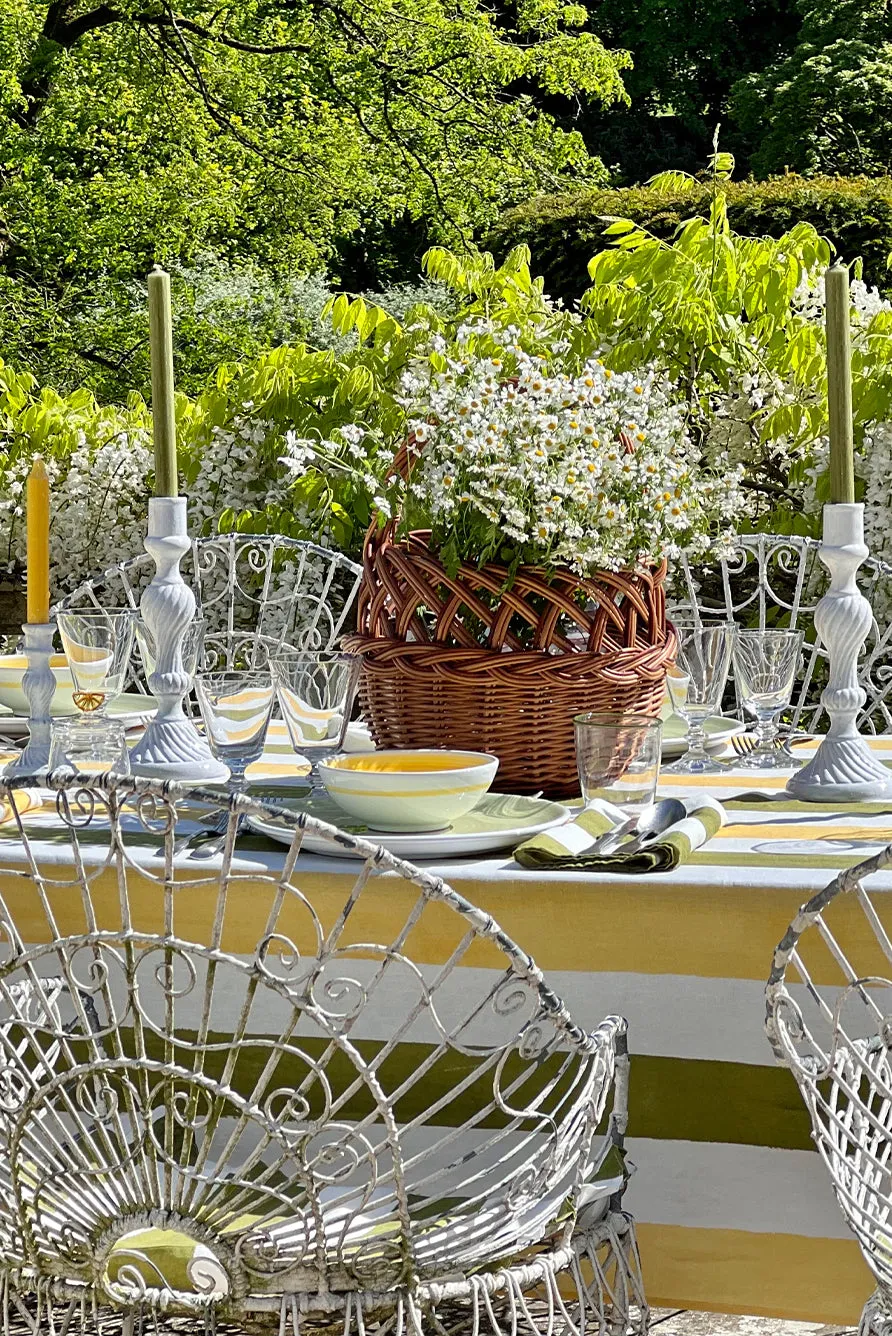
[98,645]
[236,708]
[696,683]
[316,690]
[765,668]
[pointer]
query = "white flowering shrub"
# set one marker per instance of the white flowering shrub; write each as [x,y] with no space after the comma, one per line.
[99,461]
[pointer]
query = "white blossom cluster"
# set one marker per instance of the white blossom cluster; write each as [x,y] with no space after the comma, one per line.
[734,427]
[734,431]
[100,493]
[233,470]
[99,500]
[809,299]
[591,470]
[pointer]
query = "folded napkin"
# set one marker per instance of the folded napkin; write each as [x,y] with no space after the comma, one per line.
[26,800]
[570,846]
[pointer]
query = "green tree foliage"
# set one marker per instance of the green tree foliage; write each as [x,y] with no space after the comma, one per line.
[564,231]
[687,55]
[140,131]
[827,105]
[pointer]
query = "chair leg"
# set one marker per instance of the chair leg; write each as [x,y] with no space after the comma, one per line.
[876,1320]
[614,1295]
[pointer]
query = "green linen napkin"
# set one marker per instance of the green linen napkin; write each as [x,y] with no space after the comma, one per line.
[570,846]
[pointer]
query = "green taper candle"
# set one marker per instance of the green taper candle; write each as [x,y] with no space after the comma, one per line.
[839,384]
[163,417]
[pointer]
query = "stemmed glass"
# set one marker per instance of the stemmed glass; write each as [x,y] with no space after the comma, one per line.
[696,685]
[765,668]
[98,645]
[236,708]
[316,690]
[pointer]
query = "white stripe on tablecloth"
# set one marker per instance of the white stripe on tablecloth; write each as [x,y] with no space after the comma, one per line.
[712,1185]
[669,1015]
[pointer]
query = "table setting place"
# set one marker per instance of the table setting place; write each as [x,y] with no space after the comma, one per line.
[652,792]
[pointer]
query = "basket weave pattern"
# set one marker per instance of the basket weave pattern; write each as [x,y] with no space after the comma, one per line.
[475,660]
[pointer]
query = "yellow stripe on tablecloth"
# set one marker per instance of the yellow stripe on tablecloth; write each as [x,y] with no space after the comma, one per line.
[793,830]
[267,769]
[727,779]
[633,926]
[768,1275]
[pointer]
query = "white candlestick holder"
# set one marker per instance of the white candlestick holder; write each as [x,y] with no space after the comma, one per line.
[38,684]
[843,769]
[171,747]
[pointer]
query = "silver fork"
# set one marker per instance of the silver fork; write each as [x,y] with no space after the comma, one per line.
[207,831]
[745,743]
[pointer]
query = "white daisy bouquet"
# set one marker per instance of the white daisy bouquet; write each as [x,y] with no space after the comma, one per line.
[514,458]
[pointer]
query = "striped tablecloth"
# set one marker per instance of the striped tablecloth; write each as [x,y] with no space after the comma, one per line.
[735,1210]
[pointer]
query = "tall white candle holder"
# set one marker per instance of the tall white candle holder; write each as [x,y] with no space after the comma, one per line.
[38,684]
[171,747]
[843,769]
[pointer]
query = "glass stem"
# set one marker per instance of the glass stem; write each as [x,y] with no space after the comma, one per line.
[766,731]
[236,784]
[697,738]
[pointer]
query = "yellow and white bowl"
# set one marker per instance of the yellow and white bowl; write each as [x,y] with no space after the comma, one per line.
[12,694]
[408,790]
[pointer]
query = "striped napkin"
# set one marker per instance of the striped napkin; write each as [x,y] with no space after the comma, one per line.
[570,846]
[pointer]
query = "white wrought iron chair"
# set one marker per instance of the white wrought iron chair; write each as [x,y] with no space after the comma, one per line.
[769,580]
[830,1021]
[224,1095]
[258,593]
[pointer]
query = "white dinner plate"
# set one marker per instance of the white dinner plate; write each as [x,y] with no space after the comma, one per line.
[719,732]
[499,821]
[132,709]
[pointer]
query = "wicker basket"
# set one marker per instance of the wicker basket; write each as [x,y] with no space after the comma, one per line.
[475,660]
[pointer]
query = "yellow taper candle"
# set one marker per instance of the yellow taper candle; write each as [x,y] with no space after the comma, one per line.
[38,541]
[163,418]
[839,384]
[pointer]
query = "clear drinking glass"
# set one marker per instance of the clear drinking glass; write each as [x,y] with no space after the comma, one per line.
[316,690]
[696,683]
[765,668]
[236,708]
[193,647]
[618,759]
[98,645]
[91,746]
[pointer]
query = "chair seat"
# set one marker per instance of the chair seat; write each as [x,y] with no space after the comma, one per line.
[168,1255]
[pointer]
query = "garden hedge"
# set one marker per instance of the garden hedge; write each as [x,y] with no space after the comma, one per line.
[565,231]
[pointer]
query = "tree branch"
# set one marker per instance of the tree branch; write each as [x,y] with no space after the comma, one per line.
[58,33]
[62,33]
[188,25]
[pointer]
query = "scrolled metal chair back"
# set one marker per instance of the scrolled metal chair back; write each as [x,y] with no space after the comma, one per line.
[258,593]
[322,1093]
[829,1020]
[770,581]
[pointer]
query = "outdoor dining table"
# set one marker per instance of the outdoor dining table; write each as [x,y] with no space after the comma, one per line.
[735,1211]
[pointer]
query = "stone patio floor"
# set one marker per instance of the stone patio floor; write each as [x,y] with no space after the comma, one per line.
[678,1322]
